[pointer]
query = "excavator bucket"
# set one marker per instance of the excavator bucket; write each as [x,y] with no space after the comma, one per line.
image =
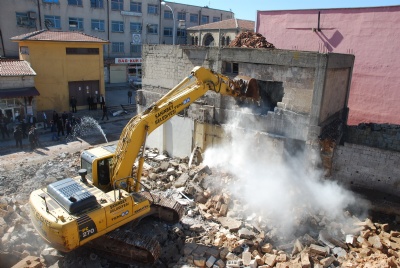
[248,87]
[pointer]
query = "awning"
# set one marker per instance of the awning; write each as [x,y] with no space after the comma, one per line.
[18,92]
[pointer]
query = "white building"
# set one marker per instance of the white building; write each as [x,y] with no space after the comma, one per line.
[127,24]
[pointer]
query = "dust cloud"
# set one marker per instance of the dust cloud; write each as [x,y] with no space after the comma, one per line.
[274,184]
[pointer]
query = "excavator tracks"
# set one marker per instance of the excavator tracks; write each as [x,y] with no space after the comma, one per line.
[127,245]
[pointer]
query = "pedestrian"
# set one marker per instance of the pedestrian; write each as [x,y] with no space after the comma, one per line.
[105,114]
[31,138]
[68,128]
[36,133]
[18,137]
[64,118]
[102,101]
[23,128]
[129,96]
[89,102]
[44,120]
[94,102]
[60,128]
[55,117]
[3,127]
[53,128]
[73,103]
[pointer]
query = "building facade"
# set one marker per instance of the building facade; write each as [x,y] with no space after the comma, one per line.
[219,33]
[67,64]
[127,24]
[371,34]
[17,91]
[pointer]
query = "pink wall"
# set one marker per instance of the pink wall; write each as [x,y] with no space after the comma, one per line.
[371,34]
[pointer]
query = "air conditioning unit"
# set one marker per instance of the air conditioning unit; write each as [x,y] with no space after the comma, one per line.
[32,15]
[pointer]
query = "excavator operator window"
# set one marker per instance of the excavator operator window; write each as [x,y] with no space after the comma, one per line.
[103,168]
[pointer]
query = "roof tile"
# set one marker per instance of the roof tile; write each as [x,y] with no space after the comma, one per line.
[15,68]
[58,36]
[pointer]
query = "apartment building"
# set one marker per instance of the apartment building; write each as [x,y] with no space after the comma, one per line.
[127,24]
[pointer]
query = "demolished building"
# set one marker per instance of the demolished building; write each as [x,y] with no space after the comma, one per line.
[304,106]
[302,93]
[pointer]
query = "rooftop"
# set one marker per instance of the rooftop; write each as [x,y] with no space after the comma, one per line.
[58,36]
[15,68]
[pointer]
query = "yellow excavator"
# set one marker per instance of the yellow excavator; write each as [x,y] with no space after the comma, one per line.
[94,208]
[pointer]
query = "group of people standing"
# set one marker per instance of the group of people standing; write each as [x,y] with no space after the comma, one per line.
[93,101]
[63,124]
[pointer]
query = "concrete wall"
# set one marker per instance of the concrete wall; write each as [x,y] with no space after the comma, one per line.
[368,33]
[16,81]
[363,167]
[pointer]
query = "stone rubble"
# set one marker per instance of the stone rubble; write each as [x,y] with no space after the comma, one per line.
[215,232]
[251,40]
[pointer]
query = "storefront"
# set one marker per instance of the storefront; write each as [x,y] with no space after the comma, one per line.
[125,70]
[17,103]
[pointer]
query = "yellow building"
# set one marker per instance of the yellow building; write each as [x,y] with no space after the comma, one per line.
[67,64]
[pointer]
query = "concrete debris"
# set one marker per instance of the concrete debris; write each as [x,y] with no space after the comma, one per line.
[218,230]
[251,40]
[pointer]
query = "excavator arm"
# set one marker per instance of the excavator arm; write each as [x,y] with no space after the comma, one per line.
[133,136]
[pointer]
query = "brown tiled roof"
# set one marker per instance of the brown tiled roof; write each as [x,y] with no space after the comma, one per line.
[15,68]
[226,24]
[58,36]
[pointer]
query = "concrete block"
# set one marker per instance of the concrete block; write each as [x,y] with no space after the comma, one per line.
[210,262]
[246,257]
[269,259]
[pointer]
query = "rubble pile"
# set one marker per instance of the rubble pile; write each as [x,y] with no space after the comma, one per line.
[251,40]
[218,229]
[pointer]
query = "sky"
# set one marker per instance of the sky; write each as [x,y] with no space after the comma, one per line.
[247,9]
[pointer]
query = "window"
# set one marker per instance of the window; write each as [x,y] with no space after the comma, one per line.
[117,26]
[24,20]
[152,9]
[136,27]
[82,51]
[168,31]
[181,32]
[152,29]
[216,19]
[230,67]
[194,18]
[76,24]
[52,21]
[117,4]
[98,25]
[168,14]
[204,19]
[97,3]
[51,1]
[136,49]
[24,50]
[181,15]
[136,7]
[75,2]
[117,47]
